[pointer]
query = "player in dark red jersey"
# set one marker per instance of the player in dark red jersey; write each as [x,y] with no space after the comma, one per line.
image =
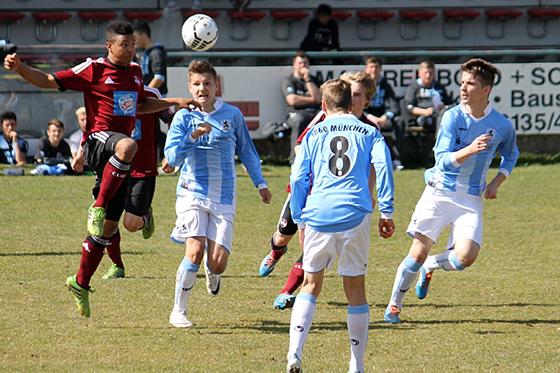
[113,94]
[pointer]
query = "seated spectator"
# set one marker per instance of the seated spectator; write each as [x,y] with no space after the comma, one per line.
[425,99]
[322,32]
[53,149]
[384,109]
[13,150]
[303,98]
[75,138]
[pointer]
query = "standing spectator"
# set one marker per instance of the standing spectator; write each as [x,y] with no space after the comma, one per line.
[154,65]
[13,150]
[384,107]
[113,94]
[334,216]
[75,138]
[425,99]
[53,149]
[467,142]
[205,142]
[322,32]
[303,98]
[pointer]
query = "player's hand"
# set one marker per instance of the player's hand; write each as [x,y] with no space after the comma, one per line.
[188,104]
[77,163]
[429,111]
[202,129]
[386,227]
[301,236]
[12,62]
[491,191]
[479,144]
[266,195]
[166,167]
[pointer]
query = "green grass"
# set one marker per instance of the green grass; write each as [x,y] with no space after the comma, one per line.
[500,315]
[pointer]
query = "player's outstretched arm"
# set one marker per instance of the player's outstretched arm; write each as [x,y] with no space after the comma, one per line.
[34,76]
[152,105]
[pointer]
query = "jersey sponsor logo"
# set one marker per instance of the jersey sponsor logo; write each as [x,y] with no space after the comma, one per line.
[109,81]
[226,125]
[490,133]
[137,131]
[116,174]
[125,103]
[137,80]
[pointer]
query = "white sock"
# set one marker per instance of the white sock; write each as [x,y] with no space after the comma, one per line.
[186,277]
[406,275]
[302,317]
[358,326]
[447,260]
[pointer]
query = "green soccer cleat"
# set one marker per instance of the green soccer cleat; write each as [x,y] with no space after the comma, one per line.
[114,272]
[96,217]
[81,295]
[150,226]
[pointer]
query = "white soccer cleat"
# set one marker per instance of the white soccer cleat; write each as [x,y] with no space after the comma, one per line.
[179,319]
[213,281]
[294,365]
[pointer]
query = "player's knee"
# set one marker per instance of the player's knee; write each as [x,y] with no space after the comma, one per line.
[125,149]
[218,267]
[132,223]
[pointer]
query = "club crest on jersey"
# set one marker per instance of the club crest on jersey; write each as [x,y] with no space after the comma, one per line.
[226,125]
[125,103]
[491,133]
[137,80]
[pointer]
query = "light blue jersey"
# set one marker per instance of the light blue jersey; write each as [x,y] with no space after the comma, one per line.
[209,168]
[336,154]
[459,129]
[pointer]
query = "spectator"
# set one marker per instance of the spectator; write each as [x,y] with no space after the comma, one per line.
[303,98]
[425,99]
[322,32]
[154,65]
[13,150]
[384,107]
[53,149]
[75,139]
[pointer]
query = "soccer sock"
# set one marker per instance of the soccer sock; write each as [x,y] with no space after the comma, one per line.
[92,253]
[113,175]
[113,249]
[186,277]
[277,251]
[295,279]
[146,219]
[447,260]
[406,274]
[302,317]
[358,326]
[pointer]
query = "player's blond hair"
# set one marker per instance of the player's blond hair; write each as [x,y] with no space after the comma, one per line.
[81,110]
[337,95]
[363,78]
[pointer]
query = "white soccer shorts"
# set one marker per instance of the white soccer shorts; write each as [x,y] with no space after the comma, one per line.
[438,208]
[203,218]
[352,247]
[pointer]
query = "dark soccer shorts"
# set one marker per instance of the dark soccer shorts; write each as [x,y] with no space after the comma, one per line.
[286,225]
[98,148]
[141,194]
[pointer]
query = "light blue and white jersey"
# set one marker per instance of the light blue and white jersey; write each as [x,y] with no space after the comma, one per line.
[458,129]
[337,154]
[209,167]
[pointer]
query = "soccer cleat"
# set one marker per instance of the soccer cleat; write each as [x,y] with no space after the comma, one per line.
[96,217]
[179,319]
[284,300]
[392,315]
[213,281]
[294,365]
[150,226]
[268,264]
[114,272]
[81,295]
[423,283]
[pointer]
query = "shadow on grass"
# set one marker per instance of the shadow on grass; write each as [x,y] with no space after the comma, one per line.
[59,253]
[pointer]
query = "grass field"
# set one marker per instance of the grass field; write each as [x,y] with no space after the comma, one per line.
[500,315]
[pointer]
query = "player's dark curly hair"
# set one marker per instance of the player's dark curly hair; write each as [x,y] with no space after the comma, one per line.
[202,67]
[116,28]
[484,70]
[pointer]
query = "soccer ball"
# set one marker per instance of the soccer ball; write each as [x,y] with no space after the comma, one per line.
[199,32]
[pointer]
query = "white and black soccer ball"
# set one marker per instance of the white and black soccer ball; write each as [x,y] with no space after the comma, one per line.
[199,32]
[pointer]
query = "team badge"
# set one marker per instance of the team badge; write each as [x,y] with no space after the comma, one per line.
[137,80]
[283,223]
[490,133]
[226,125]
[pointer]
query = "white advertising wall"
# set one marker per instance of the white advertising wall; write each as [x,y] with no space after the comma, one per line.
[527,93]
